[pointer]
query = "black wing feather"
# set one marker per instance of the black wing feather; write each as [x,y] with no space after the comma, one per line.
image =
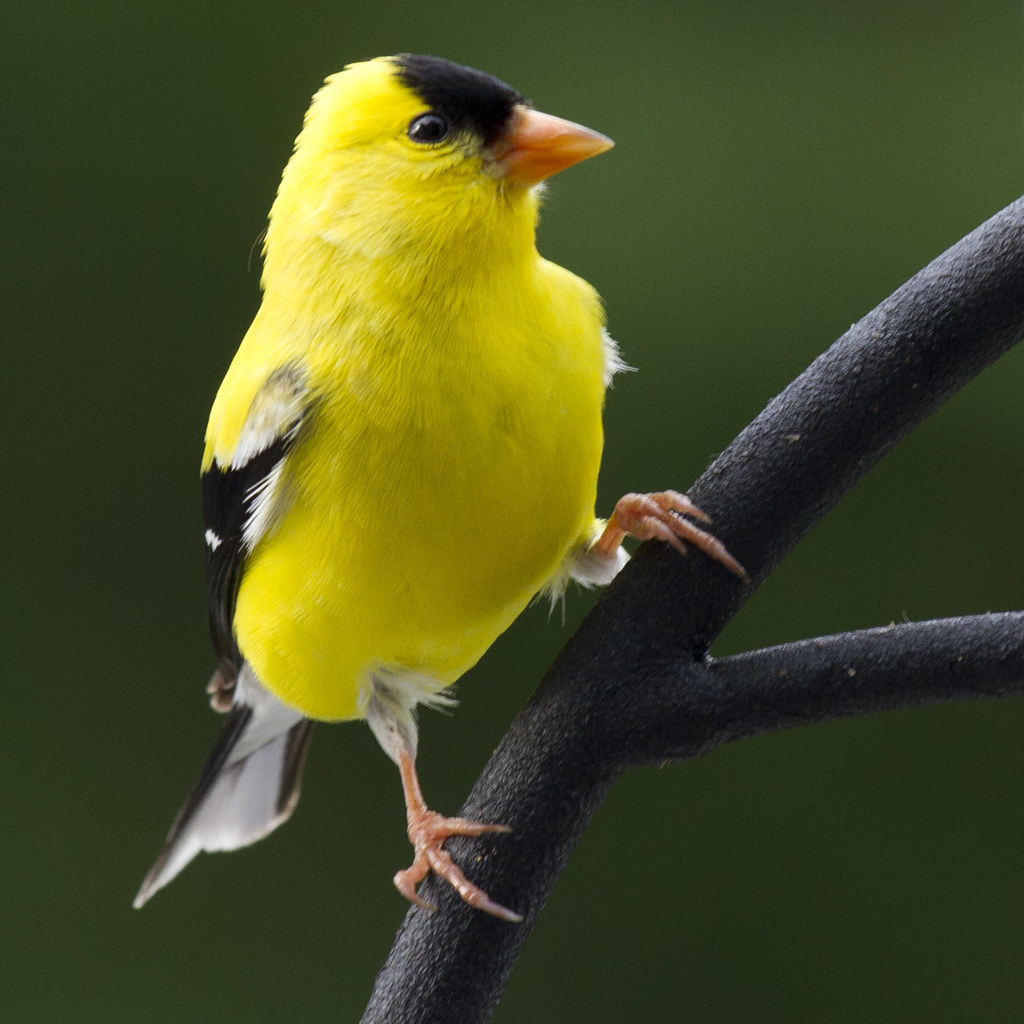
[228,498]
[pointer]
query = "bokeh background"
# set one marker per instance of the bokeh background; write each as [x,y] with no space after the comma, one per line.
[781,167]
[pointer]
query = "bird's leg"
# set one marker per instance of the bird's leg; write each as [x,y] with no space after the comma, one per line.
[427,832]
[659,516]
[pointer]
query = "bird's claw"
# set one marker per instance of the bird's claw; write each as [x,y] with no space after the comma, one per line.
[659,516]
[427,832]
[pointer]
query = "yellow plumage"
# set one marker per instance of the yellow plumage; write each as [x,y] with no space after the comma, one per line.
[457,381]
[405,448]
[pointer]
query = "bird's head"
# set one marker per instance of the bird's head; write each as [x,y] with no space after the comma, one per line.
[413,154]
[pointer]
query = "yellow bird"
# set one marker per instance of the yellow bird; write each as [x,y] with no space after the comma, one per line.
[405,448]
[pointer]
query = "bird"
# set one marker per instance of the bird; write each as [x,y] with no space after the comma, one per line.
[405,448]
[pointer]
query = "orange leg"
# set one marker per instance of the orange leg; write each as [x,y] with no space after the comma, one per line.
[427,832]
[659,516]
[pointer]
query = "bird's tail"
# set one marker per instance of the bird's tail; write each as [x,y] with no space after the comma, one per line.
[248,786]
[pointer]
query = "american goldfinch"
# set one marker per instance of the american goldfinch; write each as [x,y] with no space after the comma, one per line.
[406,445]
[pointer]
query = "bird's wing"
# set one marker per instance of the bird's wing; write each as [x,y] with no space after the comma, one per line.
[250,782]
[243,501]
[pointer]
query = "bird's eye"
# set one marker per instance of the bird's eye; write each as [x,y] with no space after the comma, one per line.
[429,128]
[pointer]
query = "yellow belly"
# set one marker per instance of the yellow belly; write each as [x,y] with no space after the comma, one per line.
[413,539]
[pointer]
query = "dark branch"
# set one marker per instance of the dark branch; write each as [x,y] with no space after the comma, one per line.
[693,709]
[627,688]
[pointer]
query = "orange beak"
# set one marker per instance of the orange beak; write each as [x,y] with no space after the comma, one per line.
[537,145]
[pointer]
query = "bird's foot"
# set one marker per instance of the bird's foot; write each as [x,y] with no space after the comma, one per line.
[659,516]
[427,832]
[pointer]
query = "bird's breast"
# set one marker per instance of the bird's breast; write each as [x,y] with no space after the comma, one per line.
[439,485]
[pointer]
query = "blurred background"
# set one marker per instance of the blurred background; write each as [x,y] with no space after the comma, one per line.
[780,168]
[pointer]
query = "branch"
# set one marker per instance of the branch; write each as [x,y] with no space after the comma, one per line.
[694,708]
[627,687]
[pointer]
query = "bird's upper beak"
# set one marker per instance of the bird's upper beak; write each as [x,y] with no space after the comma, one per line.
[536,145]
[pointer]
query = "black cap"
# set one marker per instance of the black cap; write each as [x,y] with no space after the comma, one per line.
[471,100]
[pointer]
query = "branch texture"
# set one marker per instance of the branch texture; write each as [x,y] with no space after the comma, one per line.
[889,668]
[632,685]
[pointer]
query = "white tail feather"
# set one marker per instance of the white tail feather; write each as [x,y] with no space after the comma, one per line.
[249,786]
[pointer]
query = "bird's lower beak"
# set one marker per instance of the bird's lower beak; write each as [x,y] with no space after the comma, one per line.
[537,145]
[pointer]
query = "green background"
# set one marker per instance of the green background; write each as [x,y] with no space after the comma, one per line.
[780,168]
